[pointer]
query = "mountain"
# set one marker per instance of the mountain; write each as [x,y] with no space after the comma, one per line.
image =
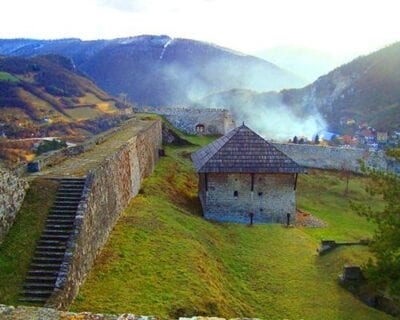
[158,70]
[307,63]
[365,89]
[47,96]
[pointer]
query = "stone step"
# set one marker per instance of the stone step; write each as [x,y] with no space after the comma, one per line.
[58,212]
[42,273]
[62,232]
[57,224]
[68,201]
[67,193]
[34,299]
[45,266]
[59,206]
[54,237]
[75,198]
[49,254]
[60,226]
[51,243]
[41,279]
[71,181]
[37,293]
[59,220]
[48,260]
[58,249]
[74,188]
[39,286]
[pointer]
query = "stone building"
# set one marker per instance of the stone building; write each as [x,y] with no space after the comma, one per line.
[196,121]
[244,178]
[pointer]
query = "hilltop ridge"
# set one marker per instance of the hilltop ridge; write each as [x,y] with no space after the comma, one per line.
[159,70]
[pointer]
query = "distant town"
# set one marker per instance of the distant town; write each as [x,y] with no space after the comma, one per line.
[364,136]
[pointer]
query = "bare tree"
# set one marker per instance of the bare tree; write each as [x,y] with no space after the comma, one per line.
[345,171]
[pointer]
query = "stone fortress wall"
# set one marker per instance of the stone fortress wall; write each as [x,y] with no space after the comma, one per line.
[108,190]
[334,158]
[12,193]
[196,121]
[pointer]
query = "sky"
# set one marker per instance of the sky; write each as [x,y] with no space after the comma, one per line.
[342,27]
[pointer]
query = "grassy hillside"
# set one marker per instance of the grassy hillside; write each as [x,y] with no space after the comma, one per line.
[164,259]
[365,89]
[45,90]
[46,97]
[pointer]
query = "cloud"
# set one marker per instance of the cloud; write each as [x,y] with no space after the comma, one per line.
[124,5]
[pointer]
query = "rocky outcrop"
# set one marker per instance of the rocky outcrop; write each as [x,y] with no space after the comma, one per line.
[12,193]
[169,136]
[107,192]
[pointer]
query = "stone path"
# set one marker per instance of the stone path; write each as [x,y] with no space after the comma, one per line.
[80,164]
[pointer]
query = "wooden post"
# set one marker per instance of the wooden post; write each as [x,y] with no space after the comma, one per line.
[295,181]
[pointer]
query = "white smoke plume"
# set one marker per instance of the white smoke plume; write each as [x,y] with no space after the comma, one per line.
[268,115]
[279,123]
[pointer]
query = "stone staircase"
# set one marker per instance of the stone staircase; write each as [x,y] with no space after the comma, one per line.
[46,263]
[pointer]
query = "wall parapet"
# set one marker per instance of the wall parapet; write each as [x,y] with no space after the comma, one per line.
[107,192]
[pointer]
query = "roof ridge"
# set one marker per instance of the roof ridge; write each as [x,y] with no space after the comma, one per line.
[243,150]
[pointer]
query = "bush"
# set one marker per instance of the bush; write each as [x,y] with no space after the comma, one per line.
[50,146]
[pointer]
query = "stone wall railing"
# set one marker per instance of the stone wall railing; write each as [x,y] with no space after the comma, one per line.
[54,157]
[108,191]
[12,193]
[180,110]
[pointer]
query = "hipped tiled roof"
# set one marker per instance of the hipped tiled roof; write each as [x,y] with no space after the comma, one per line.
[243,151]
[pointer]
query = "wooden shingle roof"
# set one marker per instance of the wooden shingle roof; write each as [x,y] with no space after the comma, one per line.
[243,151]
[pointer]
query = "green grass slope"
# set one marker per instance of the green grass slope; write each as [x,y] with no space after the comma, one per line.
[17,250]
[164,259]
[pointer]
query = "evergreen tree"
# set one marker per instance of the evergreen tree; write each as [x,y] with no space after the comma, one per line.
[384,271]
[295,139]
[316,139]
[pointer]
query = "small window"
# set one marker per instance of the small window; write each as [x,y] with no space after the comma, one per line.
[260,194]
[200,128]
[236,194]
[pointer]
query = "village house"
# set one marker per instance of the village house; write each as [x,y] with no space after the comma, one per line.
[243,178]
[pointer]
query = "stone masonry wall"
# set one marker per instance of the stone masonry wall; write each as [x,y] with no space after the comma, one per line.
[12,193]
[35,313]
[322,157]
[273,197]
[108,191]
[215,121]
